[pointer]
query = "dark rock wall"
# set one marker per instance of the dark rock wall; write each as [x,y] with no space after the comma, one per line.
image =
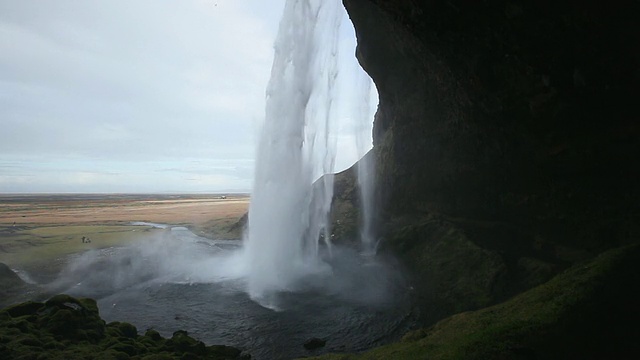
[515,122]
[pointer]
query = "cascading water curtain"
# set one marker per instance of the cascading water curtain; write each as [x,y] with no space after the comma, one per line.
[295,148]
[363,114]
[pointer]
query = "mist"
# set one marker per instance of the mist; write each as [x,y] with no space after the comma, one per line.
[177,256]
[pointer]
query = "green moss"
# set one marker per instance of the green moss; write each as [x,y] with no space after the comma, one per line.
[128,330]
[53,345]
[113,331]
[30,341]
[153,335]
[454,274]
[28,308]
[181,342]
[125,348]
[89,304]
[112,355]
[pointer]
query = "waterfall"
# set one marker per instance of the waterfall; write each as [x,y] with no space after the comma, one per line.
[287,214]
[366,165]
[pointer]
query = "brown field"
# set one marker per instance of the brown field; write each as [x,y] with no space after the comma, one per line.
[108,209]
[43,229]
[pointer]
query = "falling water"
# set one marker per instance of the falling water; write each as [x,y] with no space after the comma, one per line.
[362,108]
[366,164]
[286,214]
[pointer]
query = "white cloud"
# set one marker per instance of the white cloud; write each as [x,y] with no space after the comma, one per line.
[129,85]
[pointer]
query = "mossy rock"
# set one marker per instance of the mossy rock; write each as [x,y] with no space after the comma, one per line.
[450,272]
[128,349]
[182,342]
[30,341]
[128,330]
[90,305]
[27,308]
[113,331]
[22,325]
[53,345]
[153,335]
[63,301]
[112,355]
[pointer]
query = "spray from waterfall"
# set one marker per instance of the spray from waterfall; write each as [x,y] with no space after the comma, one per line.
[287,214]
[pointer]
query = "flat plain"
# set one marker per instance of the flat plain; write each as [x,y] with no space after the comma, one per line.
[38,231]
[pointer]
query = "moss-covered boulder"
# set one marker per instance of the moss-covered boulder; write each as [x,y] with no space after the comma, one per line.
[65,327]
[451,273]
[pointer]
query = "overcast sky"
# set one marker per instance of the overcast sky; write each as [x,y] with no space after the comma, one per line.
[135,96]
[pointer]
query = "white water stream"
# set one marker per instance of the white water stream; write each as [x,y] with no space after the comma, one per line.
[295,148]
[363,114]
[288,215]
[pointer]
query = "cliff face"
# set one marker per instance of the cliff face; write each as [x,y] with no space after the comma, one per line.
[507,130]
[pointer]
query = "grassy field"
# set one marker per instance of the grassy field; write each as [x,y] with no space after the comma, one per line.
[39,231]
[29,246]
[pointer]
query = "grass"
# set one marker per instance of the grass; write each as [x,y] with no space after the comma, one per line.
[224,228]
[28,246]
